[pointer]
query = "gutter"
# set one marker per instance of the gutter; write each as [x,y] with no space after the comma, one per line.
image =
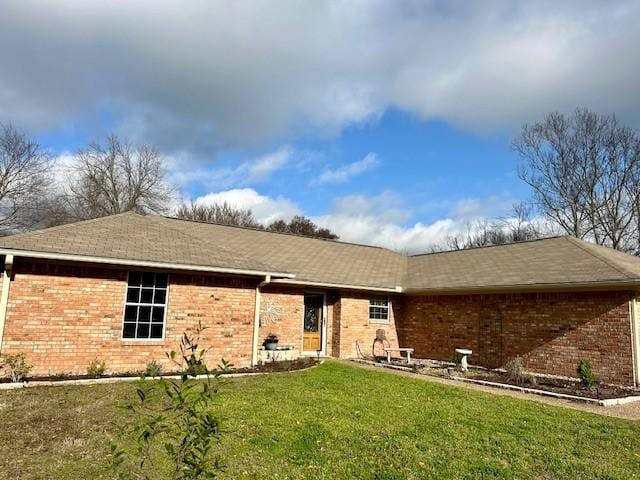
[531,287]
[140,263]
[290,281]
[256,321]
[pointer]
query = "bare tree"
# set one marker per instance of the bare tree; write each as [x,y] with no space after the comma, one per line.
[583,170]
[521,226]
[116,176]
[300,225]
[517,227]
[555,171]
[220,213]
[24,178]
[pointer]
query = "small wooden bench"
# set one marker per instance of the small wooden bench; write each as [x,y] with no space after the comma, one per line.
[408,351]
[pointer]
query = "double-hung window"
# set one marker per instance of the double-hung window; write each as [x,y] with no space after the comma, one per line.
[379,309]
[145,306]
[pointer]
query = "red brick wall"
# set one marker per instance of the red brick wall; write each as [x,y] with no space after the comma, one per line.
[62,317]
[355,327]
[551,332]
[289,302]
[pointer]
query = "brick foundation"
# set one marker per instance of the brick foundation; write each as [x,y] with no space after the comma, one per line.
[551,332]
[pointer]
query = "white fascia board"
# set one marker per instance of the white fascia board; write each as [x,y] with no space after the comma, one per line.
[286,281]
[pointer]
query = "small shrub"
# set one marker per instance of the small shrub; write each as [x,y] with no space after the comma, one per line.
[96,368]
[225,366]
[529,379]
[517,374]
[585,373]
[457,359]
[515,370]
[16,367]
[153,369]
[179,431]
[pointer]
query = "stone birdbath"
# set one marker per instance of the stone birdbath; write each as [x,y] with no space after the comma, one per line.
[464,353]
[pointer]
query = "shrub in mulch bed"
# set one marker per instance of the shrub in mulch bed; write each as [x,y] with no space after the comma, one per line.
[283,366]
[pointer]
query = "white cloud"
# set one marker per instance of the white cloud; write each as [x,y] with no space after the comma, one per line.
[369,230]
[265,209]
[379,220]
[492,206]
[203,75]
[250,172]
[263,167]
[345,172]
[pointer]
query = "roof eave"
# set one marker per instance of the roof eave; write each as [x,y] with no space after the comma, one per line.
[305,283]
[632,284]
[141,263]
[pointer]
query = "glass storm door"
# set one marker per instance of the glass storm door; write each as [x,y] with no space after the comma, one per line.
[312,326]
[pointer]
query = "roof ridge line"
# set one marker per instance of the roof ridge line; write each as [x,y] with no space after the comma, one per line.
[578,242]
[298,235]
[508,244]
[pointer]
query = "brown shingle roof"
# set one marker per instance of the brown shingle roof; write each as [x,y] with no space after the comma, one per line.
[135,238]
[552,261]
[129,236]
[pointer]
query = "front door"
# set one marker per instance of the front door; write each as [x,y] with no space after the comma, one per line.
[312,326]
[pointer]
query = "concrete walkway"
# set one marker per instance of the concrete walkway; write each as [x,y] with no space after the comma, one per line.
[630,411]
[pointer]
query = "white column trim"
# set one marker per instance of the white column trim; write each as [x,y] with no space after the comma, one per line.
[4,296]
[256,321]
[635,338]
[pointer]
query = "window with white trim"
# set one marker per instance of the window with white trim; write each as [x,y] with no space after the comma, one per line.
[379,309]
[145,306]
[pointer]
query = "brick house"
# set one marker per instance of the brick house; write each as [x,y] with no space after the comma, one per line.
[123,289]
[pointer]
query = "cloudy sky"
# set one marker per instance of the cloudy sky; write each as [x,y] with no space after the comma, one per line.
[389,122]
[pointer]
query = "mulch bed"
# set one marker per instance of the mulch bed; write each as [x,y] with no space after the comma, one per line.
[281,366]
[271,367]
[555,385]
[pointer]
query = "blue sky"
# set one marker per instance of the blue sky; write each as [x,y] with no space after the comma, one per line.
[389,122]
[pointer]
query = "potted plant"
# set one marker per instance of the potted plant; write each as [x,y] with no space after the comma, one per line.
[271,342]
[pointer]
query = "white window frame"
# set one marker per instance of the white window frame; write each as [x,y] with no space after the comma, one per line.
[387,307]
[138,304]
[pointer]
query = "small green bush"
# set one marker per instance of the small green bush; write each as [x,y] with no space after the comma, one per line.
[586,374]
[517,374]
[96,368]
[153,369]
[515,370]
[16,367]
[457,359]
[182,430]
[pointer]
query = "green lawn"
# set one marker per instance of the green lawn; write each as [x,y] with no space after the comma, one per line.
[334,421]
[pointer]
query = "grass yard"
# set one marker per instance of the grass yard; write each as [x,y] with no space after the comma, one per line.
[334,421]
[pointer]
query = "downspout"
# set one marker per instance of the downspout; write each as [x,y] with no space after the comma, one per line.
[4,297]
[256,321]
